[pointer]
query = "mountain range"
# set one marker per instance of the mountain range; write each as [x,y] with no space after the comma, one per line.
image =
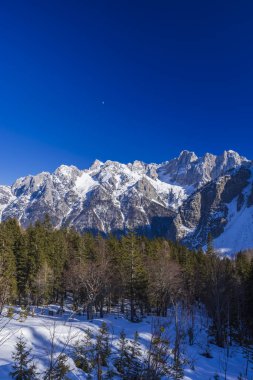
[183,199]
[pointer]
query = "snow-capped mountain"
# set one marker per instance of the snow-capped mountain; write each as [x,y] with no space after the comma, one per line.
[222,207]
[184,198]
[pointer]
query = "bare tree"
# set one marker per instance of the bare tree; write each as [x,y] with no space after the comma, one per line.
[165,283]
[42,282]
[94,280]
[57,359]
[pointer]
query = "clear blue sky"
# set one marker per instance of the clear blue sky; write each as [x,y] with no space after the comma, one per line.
[122,80]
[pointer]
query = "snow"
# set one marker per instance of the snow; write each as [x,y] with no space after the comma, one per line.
[96,164]
[84,184]
[237,234]
[36,331]
[125,176]
[65,170]
[179,193]
[66,188]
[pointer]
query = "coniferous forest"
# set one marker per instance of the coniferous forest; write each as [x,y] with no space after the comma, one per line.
[134,275]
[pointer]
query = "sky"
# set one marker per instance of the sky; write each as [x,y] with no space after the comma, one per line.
[122,80]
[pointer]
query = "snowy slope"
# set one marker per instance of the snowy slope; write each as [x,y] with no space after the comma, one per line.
[36,331]
[238,233]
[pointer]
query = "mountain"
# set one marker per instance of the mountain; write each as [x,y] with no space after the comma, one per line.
[184,198]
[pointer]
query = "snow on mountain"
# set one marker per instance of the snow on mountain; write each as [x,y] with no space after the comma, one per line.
[167,199]
[84,184]
[188,169]
[237,234]
[221,208]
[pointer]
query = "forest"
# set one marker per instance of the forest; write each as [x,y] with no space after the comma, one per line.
[134,275]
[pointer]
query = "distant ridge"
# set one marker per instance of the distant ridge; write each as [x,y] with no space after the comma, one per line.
[184,198]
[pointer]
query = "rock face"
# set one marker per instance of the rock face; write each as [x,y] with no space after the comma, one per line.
[184,198]
[206,210]
[188,169]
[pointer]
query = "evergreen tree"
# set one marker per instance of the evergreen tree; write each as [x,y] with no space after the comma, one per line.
[84,355]
[103,349]
[8,283]
[22,266]
[60,369]
[57,258]
[157,364]
[122,361]
[134,369]
[134,275]
[23,367]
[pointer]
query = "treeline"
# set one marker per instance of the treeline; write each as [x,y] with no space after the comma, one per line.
[40,265]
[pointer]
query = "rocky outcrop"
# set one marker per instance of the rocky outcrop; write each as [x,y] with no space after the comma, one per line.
[189,170]
[206,210]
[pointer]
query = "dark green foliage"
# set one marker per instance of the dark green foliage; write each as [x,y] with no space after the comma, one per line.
[8,281]
[60,369]
[128,360]
[92,352]
[22,265]
[23,367]
[122,360]
[102,347]
[157,364]
[41,265]
[133,274]
[84,355]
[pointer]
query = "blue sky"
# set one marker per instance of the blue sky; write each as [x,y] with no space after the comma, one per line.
[122,80]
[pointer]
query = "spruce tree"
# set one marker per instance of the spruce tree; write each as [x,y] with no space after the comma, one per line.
[8,283]
[20,252]
[133,274]
[84,356]
[23,367]
[157,364]
[60,370]
[103,349]
[134,369]
[122,360]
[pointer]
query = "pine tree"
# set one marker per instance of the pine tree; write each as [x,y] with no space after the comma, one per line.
[57,259]
[20,252]
[23,367]
[133,274]
[134,369]
[60,370]
[8,283]
[103,349]
[157,364]
[122,360]
[84,356]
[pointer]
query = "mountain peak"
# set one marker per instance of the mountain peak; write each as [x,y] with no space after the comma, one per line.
[65,170]
[114,196]
[96,164]
[187,156]
[232,158]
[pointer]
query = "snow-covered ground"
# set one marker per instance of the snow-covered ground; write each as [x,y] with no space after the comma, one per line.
[237,233]
[36,329]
